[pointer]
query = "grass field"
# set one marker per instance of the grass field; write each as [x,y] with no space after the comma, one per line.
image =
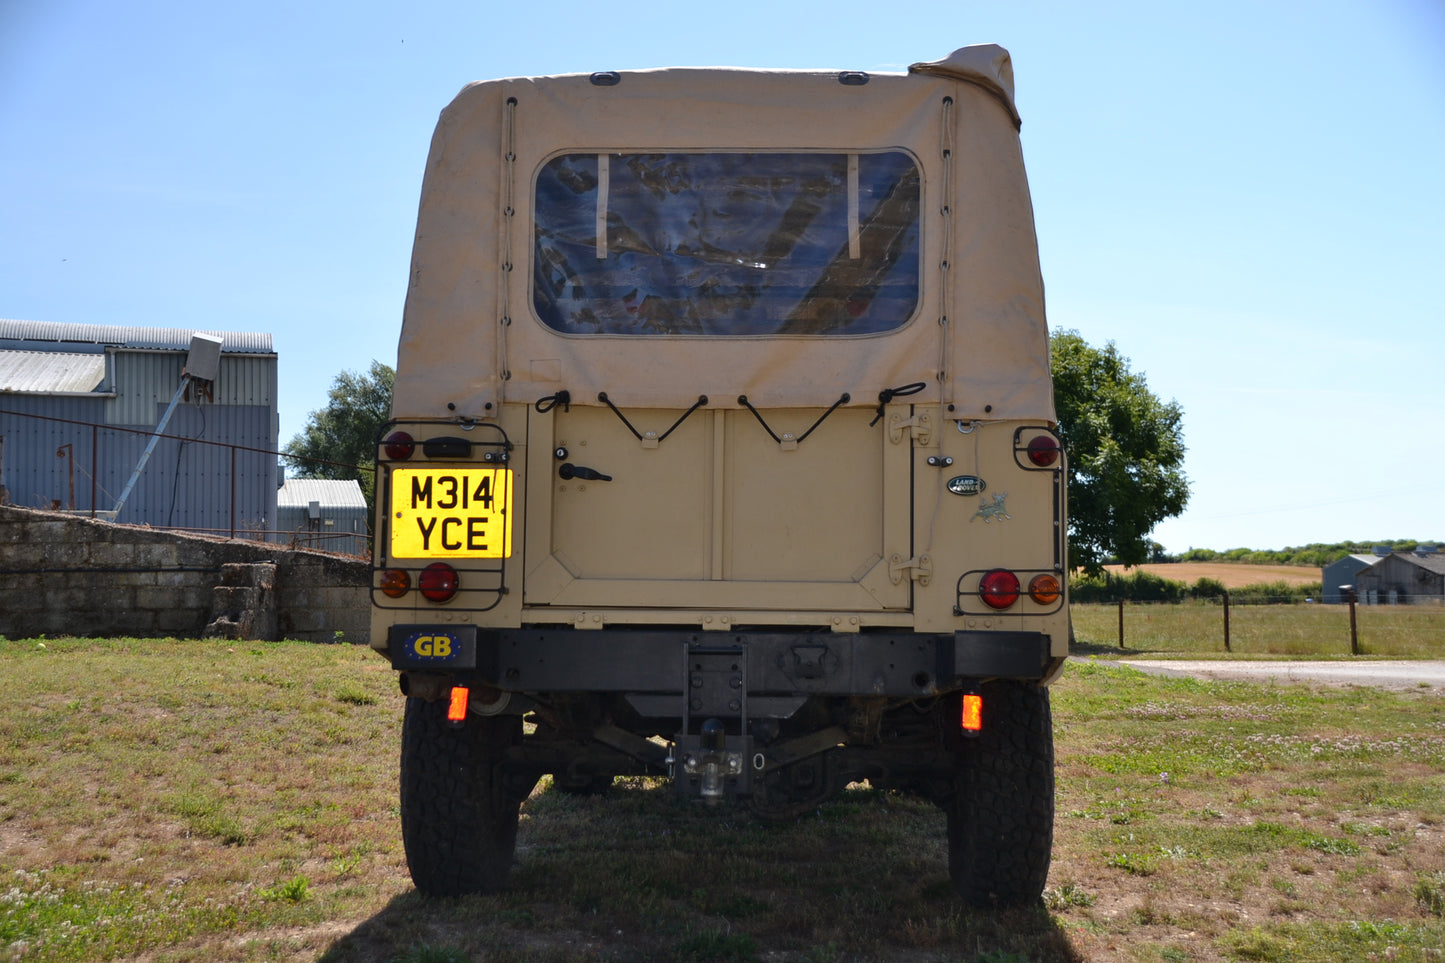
[174,801]
[1265,631]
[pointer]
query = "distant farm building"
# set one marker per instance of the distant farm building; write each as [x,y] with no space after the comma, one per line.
[1343,572]
[80,405]
[322,513]
[1403,577]
[1389,578]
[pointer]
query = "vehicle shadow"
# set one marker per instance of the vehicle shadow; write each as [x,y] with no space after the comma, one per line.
[643,875]
[411,928]
[1080,650]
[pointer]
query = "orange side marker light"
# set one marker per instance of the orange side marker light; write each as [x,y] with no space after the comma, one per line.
[972,713]
[457,709]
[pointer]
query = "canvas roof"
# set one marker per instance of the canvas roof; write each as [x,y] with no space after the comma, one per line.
[470,339]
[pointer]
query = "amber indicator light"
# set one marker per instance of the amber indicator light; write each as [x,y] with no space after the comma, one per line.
[395,583]
[1044,589]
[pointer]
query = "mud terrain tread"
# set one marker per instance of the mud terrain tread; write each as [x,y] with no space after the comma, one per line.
[1001,818]
[459,826]
[593,786]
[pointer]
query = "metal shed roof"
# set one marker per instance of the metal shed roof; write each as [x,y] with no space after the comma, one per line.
[1430,562]
[50,372]
[300,492]
[100,336]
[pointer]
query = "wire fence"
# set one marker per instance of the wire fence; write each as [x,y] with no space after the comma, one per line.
[187,483]
[1284,626]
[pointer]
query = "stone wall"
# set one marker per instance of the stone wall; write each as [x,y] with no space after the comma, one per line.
[62,575]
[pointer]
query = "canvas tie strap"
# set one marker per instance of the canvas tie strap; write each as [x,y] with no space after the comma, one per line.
[793,442]
[651,438]
[887,395]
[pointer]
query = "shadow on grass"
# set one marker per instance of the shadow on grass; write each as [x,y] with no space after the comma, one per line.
[1080,650]
[412,929]
[643,875]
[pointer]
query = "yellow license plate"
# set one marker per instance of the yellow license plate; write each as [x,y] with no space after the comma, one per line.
[451,513]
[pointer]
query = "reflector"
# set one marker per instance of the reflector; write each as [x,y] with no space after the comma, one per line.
[457,710]
[972,720]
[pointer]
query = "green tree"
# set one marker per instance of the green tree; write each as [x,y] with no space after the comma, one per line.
[1126,451]
[339,441]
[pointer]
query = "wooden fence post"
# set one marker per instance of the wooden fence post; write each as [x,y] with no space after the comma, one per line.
[1354,629]
[1226,623]
[1121,623]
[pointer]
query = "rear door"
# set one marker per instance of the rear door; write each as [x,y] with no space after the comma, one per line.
[729,503]
[719,513]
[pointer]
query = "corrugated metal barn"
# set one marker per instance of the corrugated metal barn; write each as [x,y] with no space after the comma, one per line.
[1404,578]
[1343,572]
[80,403]
[323,513]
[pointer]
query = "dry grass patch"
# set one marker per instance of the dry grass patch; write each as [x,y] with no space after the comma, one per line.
[175,801]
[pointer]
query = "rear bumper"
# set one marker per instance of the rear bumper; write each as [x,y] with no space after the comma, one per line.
[661,663]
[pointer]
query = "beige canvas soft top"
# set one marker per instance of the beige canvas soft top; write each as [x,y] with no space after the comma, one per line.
[471,339]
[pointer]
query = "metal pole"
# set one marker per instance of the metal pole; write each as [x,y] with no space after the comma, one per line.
[233,491]
[150,447]
[94,454]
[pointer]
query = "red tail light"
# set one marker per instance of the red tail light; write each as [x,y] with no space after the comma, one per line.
[399,446]
[999,588]
[1044,450]
[1044,589]
[439,582]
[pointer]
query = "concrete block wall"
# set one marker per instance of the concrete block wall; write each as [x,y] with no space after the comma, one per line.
[62,575]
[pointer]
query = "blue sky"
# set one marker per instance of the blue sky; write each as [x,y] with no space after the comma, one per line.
[1246,197]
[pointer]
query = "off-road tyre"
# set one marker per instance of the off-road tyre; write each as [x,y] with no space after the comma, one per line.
[1001,809]
[586,786]
[458,821]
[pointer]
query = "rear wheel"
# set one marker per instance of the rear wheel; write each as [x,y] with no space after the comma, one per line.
[582,785]
[458,821]
[1001,809]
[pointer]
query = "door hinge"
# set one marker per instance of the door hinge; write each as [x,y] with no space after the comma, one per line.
[919,569]
[919,428]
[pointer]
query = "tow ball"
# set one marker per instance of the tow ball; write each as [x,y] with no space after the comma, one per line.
[707,765]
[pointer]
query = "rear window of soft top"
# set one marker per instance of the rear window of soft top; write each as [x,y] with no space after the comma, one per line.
[726,244]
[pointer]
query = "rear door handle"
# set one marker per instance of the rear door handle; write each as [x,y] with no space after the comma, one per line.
[569,470]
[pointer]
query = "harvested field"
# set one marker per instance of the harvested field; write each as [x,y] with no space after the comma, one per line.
[1231,574]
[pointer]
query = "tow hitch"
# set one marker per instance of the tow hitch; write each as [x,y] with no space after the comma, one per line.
[703,764]
[710,763]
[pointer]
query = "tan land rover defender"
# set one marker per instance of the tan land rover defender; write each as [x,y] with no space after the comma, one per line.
[723,450]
